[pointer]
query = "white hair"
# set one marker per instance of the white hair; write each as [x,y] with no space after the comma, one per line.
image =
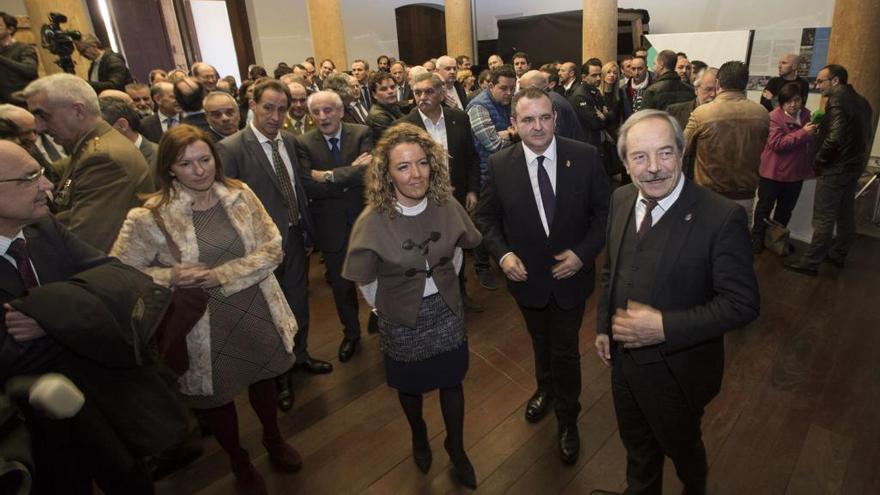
[337,100]
[63,89]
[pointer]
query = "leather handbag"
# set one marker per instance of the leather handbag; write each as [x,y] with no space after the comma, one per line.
[776,237]
[188,305]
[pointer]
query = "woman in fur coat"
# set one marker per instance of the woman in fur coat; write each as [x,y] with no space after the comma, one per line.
[230,247]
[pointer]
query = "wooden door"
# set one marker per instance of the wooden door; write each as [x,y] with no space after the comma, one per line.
[421,33]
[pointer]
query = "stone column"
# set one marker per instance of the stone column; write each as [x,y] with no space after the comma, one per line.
[328,38]
[853,31]
[600,30]
[459,29]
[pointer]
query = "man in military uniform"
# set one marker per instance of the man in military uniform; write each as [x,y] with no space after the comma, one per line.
[106,172]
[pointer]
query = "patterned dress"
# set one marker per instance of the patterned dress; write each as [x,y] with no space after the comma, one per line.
[245,346]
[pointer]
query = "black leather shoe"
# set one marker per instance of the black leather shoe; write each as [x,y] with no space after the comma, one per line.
[569,444]
[285,392]
[537,406]
[347,349]
[313,366]
[800,267]
[462,468]
[487,279]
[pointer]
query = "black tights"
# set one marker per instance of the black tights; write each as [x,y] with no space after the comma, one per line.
[452,406]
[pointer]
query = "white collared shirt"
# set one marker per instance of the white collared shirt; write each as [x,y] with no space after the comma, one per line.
[662,206]
[163,118]
[338,136]
[139,141]
[549,165]
[5,242]
[266,144]
[438,130]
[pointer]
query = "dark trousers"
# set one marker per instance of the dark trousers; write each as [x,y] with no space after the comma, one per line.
[292,275]
[344,293]
[834,204]
[554,333]
[481,259]
[782,195]
[656,420]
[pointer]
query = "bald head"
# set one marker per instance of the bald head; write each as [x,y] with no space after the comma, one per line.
[23,192]
[788,65]
[534,79]
[115,93]
[446,69]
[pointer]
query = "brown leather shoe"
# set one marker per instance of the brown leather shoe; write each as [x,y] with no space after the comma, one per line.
[283,456]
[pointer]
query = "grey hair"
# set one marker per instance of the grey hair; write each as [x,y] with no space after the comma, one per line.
[338,83]
[63,89]
[337,100]
[708,70]
[642,115]
[434,78]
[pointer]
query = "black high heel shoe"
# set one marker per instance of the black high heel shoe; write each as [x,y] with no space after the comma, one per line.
[423,458]
[462,467]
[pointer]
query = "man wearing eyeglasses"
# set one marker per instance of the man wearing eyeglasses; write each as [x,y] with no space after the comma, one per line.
[106,173]
[37,255]
[843,142]
[451,129]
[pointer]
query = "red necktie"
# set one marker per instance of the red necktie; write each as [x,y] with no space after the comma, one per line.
[647,220]
[19,252]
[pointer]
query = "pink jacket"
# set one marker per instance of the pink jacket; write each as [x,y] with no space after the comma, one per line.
[786,156]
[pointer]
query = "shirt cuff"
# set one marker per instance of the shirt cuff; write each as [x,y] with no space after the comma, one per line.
[501,261]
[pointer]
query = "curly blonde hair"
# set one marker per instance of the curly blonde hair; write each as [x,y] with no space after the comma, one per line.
[380,191]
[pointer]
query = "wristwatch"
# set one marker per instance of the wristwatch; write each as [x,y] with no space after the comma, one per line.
[328,176]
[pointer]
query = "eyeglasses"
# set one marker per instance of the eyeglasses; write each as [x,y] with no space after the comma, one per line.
[30,178]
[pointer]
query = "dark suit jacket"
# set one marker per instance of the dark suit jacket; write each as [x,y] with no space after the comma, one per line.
[335,206]
[134,400]
[199,120]
[567,123]
[560,89]
[406,100]
[464,163]
[112,72]
[350,116]
[243,158]
[705,285]
[509,219]
[151,128]
[462,95]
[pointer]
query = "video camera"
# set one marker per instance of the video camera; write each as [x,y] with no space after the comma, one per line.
[59,41]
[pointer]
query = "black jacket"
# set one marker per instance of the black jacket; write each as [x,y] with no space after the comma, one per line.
[112,73]
[381,117]
[666,90]
[586,100]
[844,137]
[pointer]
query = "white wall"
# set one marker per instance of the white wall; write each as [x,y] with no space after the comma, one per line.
[675,16]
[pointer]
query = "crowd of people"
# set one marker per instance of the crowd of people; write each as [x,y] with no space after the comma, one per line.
[191,185]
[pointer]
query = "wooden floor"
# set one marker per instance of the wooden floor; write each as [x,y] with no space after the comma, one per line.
[798,412]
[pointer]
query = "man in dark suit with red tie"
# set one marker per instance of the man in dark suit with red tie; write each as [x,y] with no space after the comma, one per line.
[265,157]
[47,326]
[334,157]
[542,213]
[678,275]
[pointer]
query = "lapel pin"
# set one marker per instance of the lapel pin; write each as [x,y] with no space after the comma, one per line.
[567,163]
[688,217]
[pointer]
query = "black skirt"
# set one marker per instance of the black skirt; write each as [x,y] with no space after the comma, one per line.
[432,355]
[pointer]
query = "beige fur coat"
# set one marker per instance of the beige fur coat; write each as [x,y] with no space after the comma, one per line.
[141,244]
